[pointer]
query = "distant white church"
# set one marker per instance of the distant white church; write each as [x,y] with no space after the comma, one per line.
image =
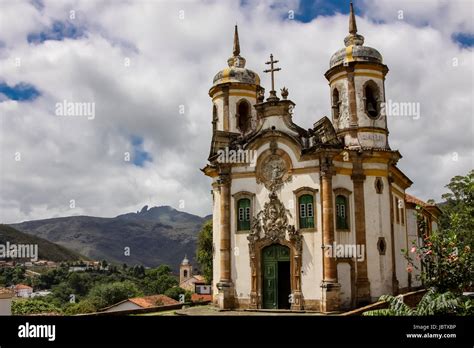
[308,219]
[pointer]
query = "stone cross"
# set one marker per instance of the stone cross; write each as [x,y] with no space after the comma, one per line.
[272,71]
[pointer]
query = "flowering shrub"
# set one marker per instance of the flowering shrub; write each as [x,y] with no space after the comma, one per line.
[446,263]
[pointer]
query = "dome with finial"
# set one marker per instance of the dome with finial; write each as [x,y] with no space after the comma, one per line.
[185,260]
[355,49]
[236,72]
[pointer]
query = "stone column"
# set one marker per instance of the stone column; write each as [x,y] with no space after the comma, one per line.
[226,119]
[362,280]
[330,287]
[225,286]
[353,119]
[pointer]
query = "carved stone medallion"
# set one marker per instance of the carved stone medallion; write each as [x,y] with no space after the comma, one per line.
[273,171]
[274,168]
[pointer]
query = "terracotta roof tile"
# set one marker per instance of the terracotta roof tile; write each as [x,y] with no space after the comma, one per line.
[22,287]
[153,301]
[200,297]
[414,200]
[5,291]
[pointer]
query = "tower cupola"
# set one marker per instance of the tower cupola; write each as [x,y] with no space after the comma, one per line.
[234,92]
[356,78]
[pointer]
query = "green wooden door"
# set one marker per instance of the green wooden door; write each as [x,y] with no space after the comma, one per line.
[271,255]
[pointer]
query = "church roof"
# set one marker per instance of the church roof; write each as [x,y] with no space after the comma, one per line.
[432,208]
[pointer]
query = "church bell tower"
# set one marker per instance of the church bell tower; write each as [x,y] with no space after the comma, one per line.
[357,84]
[234,92]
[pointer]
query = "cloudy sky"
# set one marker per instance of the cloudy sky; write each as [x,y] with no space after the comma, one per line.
[148,65]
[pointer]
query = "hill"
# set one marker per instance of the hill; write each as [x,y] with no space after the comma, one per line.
[159,235]
[46,250]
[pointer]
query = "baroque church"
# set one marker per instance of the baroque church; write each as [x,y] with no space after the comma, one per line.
[309,219]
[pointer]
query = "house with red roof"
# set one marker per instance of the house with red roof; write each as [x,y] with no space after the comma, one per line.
[141,303]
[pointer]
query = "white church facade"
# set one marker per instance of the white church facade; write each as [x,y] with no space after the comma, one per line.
[308,219]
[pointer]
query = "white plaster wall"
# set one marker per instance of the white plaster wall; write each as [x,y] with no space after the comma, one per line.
[344,278]
[400,236]
[377,224]
[311,262]
[278,123]
[413,237]
[5,306]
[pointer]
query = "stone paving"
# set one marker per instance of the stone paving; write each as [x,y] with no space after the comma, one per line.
[212,311]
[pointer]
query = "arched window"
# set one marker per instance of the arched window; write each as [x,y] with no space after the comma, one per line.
[185,273]
[243,116]
[371,100]
[342,213]
[243,211]
[306,211]
[335,103]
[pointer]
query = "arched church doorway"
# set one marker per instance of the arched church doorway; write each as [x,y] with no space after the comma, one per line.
[276,273]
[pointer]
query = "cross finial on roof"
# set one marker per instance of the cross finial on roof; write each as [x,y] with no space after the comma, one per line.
[272,71]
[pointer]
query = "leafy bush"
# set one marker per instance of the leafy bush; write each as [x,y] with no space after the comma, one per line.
[84,306]
[446,264]
[33,306]
[432,303]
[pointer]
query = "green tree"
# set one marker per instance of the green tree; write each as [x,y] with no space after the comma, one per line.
[103,295]
[160,285]
[12,275]
[445,256]
[175,293]
[79,283]
[458,209]
[204,252]
[61,293]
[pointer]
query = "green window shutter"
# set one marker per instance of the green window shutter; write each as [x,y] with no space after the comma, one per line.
[243,222]
[341,213]
[306,211]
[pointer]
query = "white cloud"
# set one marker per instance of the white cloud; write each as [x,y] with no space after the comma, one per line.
[172,62]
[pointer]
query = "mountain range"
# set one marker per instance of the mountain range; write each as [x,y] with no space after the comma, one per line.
[46,250]
[149,237]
